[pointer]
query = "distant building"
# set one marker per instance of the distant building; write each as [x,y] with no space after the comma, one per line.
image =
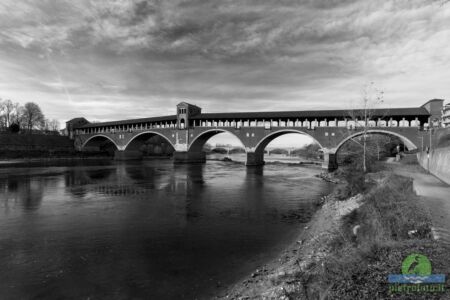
[446,115]
[73,124]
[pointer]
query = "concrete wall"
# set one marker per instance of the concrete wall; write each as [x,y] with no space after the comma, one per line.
[438,164]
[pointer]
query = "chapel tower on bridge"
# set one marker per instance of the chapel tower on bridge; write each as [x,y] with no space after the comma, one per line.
[184,112]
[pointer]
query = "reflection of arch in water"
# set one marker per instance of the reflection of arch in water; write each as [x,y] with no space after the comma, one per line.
[119,190]
[98,174]
[34,192]
[140,173]
[185,177]
[148,176]
[12,184]
[27,191]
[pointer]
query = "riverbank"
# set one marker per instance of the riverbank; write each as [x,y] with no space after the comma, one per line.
[360,235]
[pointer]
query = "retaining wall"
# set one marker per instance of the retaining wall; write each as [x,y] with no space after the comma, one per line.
[438,162]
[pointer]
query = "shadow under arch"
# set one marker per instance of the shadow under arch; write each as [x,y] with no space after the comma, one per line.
[197,144]
[139,139]
[407,142]
[262,144]
[97,140]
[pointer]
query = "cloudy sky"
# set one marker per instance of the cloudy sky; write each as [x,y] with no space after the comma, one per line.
[108,60]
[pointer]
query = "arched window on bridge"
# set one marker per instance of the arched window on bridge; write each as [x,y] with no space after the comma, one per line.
[372,123]
[351,124]
[306,124]
[404,123]
[182,122]
[341,123]
[393,123]
[382,123]
[323,123]
[415,123]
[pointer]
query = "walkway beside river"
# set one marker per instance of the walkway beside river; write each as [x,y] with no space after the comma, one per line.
[436,195]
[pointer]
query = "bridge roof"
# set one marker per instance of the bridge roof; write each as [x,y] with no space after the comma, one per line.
[311,114]
[132,121]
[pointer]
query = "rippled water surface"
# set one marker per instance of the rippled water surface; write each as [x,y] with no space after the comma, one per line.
[147,229]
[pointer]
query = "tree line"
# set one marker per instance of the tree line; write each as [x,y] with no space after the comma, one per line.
[29,117]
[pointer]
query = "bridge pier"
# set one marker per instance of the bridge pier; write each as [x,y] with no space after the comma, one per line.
[255,159]
[180,157]
[127,155]
[329,161]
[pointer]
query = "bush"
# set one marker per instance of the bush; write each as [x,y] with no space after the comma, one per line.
[14,128]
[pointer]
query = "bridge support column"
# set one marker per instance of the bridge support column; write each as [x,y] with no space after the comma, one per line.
[329,160]
[180,157]
[255,159]
[127,155]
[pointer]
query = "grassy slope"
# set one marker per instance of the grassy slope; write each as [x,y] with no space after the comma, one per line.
[359,265]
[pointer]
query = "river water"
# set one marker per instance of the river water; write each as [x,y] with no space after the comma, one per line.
[146,230]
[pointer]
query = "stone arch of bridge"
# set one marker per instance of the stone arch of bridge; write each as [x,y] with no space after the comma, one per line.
[199,141]
[148,134]
[99,137]
[407,142]
[259,149]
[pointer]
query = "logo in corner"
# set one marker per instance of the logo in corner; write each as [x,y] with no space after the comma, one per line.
[416,277]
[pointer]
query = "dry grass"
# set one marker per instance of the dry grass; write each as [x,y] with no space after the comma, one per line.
[359,265]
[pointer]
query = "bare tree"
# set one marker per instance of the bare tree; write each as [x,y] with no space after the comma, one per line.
[54,125]
[8,109]
[19,116]
[378,144]
[33,116]
[50,125]
[363,118]
[3,123]
[45,126]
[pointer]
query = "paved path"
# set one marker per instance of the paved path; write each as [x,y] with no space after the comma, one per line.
[436,194]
